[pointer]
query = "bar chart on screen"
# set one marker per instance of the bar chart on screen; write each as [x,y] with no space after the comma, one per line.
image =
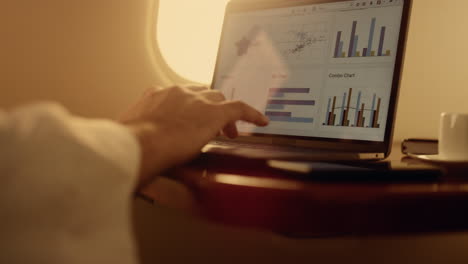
[277,105]
[354,108]
[368,51]
[369,38]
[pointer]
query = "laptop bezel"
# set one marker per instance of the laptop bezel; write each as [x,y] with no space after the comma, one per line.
[358,146]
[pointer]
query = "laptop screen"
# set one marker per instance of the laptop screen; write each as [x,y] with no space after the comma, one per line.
[316,70]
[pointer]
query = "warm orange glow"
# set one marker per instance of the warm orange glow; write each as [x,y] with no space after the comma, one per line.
[188,36]
[257,182]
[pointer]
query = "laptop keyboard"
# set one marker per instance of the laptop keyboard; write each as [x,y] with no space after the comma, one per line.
[265,147]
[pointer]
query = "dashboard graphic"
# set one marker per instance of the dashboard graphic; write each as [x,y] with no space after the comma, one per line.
[313,72]
[368,51]
[296,42]
[277,103]
[362,36]
[243,46]
[247,41]
[351,111]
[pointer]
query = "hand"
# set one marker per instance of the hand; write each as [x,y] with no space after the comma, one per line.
[173,124]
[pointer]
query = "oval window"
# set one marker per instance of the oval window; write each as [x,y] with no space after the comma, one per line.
[188,35]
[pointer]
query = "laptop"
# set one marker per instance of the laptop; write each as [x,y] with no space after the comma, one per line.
[326,73]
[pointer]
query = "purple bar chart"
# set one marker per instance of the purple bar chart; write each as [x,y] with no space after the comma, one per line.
[278,103]
[353,50]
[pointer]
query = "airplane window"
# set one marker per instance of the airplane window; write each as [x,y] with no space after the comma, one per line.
[188,33]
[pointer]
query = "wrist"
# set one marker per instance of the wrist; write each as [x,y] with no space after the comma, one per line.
[153,151]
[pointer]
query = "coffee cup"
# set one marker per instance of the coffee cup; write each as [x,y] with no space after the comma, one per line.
[453,137]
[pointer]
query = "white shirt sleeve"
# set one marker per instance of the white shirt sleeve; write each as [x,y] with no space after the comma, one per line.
[65,188]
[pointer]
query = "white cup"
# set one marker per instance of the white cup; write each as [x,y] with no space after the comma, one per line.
[453,137]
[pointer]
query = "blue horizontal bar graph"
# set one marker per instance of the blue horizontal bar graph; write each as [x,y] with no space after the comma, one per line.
[291,119]
[284,114]
[275,107]
[289,90]
[277,95]
[291,102]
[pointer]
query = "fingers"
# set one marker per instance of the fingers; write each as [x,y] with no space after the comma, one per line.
[148,91]
[231,130]
[233,110]
[205,92]
[151,90]
[214,96]
[211,95]
[197,88]
[237,110]
[190,88]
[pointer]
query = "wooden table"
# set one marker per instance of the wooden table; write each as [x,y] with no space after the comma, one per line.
[248,193]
